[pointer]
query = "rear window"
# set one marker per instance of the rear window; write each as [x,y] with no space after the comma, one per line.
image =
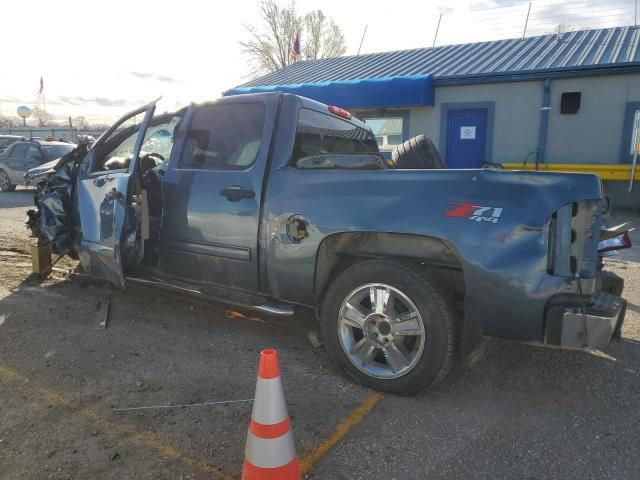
[224,137]
[321,134]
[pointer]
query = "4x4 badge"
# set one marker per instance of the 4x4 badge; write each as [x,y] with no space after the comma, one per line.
[473,211]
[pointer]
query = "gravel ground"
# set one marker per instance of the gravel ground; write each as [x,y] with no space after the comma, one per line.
[521,411]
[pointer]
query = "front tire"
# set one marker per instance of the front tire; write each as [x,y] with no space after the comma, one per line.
[5,182]
[387,326]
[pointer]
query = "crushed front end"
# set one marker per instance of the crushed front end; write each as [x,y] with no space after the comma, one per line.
[51,221]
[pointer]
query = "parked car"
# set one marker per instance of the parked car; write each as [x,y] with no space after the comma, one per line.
[24,155]
[270,201]
[6,140]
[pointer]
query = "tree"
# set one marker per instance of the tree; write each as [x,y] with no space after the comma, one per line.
[324,38]
[80,123]
[269,47]
[41,116]
[10,122]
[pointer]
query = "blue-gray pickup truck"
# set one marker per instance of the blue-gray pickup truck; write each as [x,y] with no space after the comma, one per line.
[271,201]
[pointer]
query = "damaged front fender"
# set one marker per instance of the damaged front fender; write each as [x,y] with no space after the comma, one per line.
[52,219]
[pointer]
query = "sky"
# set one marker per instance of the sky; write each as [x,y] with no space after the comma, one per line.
[101,59]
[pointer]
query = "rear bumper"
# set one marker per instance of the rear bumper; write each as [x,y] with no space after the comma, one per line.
[589,324]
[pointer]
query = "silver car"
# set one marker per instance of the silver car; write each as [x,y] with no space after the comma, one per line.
[23,155]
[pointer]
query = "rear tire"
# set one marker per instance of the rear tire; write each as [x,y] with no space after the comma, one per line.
[417,153]
[401,345]
[5,182]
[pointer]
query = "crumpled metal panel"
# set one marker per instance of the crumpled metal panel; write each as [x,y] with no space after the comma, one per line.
[52,220]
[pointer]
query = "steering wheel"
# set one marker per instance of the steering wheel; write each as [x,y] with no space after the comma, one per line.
[150,160]
[156,155]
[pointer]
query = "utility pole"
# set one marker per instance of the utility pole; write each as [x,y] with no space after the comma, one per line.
[635,13]
[362,39]
[526,22]
[435,37]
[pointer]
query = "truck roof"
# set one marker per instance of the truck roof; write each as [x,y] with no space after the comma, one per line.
[302,101]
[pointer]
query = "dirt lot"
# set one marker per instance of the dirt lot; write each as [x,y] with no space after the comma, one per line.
[522,411]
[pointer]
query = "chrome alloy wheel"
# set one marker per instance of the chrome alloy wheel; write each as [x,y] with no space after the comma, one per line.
[381,331]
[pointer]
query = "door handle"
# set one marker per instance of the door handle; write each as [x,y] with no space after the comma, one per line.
[236,193]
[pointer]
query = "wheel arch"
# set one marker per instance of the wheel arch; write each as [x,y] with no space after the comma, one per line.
[338,251]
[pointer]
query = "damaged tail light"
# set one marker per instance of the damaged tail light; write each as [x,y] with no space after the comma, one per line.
[619,242]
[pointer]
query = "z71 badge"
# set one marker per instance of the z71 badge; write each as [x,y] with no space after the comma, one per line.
[473,211]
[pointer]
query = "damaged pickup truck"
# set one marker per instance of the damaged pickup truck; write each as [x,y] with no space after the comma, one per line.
[270,201]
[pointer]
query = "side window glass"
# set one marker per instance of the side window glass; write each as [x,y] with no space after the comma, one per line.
[115,153]
[34,152]
[19,151]
[224,137]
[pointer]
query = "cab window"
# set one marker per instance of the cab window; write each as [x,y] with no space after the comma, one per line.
[117,150]
[224,137]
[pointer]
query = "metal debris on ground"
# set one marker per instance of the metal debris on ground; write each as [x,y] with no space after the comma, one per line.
[102,314]
[233,314]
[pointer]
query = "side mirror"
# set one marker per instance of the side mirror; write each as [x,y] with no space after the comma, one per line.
[36,158]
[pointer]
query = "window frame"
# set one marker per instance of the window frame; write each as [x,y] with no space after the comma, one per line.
[625,156]
[263,139]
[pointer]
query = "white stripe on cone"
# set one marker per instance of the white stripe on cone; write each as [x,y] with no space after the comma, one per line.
[269,406]
[270,452]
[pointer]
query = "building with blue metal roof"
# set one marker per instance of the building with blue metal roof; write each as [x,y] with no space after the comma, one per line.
[562,101]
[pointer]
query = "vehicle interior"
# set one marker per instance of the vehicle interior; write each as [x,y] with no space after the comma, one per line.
[115,154]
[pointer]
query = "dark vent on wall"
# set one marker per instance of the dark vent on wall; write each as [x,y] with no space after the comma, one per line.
[570,103]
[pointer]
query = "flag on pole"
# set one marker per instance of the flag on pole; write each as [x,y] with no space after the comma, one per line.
[295,47]
[40,92]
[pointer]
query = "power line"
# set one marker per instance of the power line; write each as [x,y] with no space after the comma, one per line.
[507,21]
[554,3]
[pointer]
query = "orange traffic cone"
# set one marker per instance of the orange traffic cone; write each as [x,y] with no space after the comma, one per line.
[270,453]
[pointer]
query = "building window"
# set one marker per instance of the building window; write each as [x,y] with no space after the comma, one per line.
[387,130]
[570,103]
[634,147]
[630,132]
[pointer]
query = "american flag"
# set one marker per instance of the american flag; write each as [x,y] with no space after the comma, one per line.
[295,47]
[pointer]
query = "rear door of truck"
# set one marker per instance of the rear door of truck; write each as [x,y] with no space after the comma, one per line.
[212,192]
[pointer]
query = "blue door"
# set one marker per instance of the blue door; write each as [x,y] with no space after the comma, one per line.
[466,138]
